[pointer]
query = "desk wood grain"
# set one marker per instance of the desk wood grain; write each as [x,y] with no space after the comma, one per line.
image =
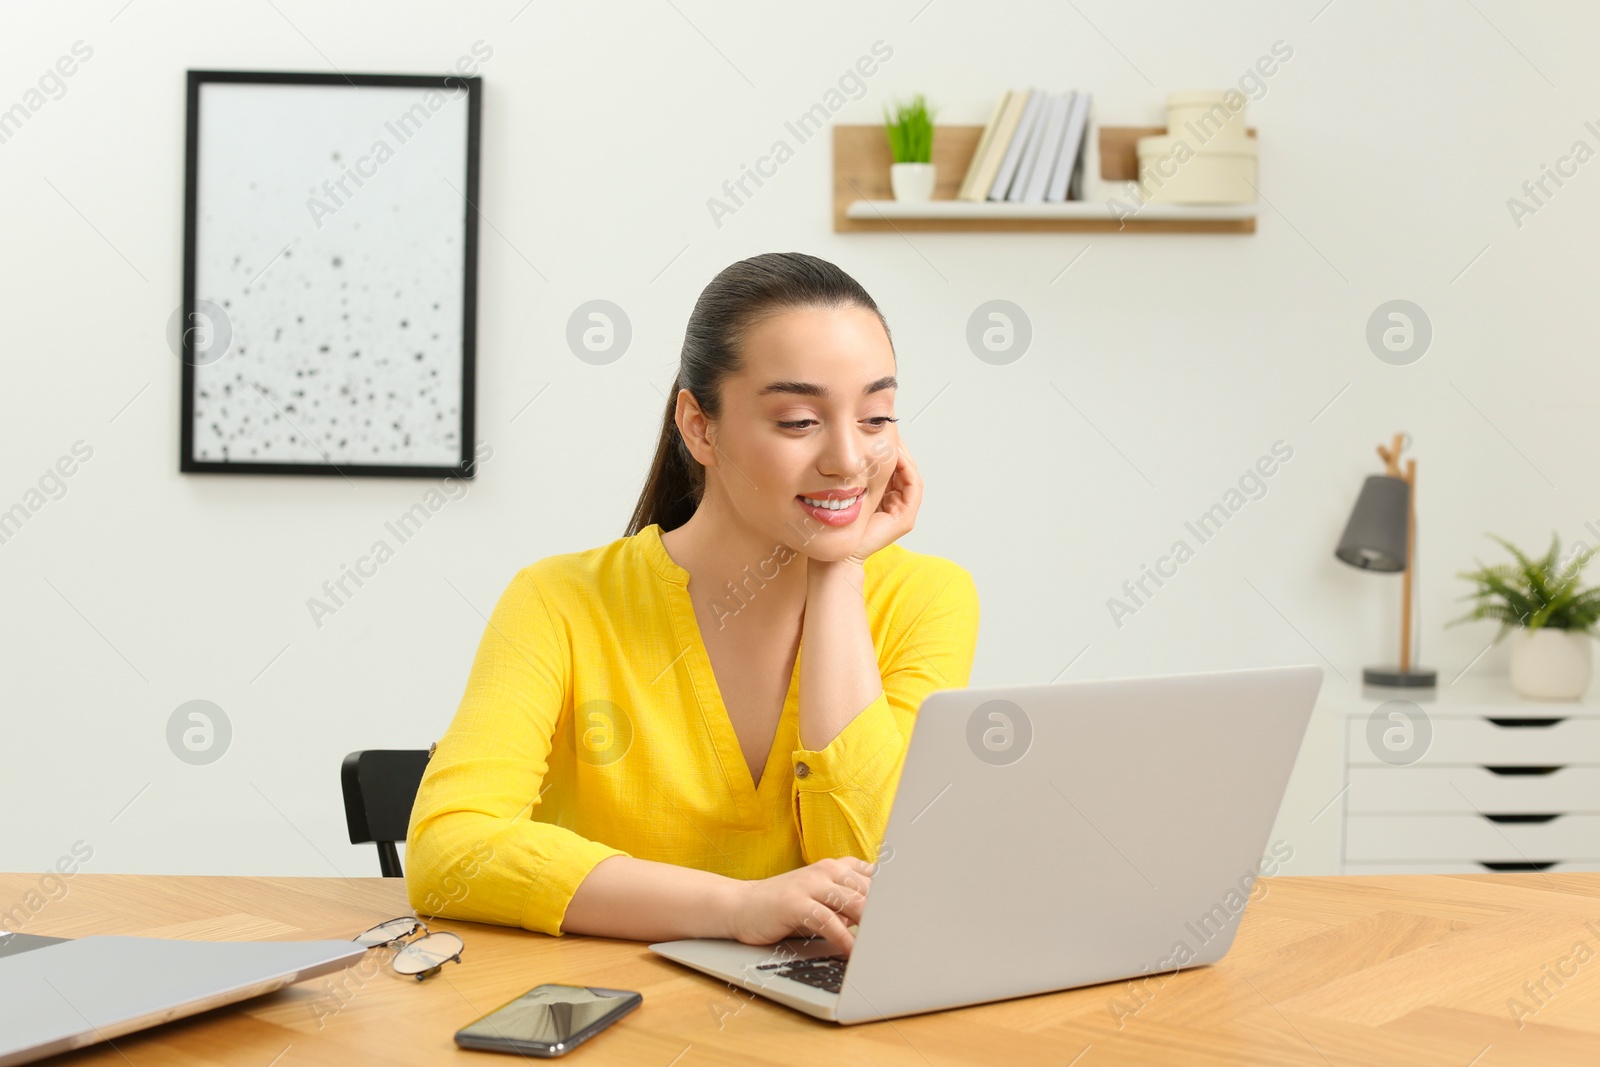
[1325,972]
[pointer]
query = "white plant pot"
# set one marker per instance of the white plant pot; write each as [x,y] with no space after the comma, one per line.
[911,182]
[1550,664]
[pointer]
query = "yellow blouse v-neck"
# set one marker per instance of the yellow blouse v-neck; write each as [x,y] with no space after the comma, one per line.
[592,726]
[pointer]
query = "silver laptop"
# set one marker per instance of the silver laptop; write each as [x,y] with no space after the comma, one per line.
[1054,836]
[58,994]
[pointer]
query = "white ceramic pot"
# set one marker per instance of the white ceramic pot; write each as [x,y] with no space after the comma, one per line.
[1550,664]
[911,181]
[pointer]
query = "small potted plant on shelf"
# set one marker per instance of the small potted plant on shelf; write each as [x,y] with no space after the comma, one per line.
[910,133]
[1552,618]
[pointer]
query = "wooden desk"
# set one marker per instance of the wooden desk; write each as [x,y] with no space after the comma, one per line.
[1404,969]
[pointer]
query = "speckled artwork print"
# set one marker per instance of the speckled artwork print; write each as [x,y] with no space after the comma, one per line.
[330,232]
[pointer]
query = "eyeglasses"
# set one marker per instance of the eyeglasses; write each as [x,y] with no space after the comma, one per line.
[420,958]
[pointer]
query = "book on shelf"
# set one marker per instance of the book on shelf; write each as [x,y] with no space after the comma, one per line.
[1019,139]
[1066,182]
[1049,148]
[975,168]
[985,166]
[1031,150]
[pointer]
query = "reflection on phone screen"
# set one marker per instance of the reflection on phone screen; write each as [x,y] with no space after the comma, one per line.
[547,1014]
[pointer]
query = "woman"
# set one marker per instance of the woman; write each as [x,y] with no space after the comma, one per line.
[643,751]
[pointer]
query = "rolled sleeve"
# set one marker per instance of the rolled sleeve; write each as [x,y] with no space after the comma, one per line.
[839,787]
[551,892]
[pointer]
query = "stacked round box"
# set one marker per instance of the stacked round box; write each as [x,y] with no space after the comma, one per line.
[1205,157]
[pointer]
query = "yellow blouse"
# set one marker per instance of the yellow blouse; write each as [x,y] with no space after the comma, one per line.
[592,726]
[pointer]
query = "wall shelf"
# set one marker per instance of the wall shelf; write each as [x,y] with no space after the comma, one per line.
[1071,210]
[864,203]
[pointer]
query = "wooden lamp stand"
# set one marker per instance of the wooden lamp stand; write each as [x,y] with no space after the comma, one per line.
[1405,676]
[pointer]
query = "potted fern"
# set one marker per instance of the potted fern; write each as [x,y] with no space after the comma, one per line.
[1551,617]
[910,134]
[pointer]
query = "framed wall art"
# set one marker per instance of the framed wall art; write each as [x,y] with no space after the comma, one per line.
[327,324]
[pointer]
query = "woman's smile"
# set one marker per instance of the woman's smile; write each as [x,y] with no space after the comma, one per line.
[835,507]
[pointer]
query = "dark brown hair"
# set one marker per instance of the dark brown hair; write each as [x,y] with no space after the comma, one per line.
[728,308]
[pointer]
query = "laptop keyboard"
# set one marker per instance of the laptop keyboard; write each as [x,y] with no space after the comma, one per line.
[823,972]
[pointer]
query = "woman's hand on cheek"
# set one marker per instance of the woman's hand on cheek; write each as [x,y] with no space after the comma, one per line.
[897,509]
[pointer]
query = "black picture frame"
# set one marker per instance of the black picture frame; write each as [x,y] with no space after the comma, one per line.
[462,465]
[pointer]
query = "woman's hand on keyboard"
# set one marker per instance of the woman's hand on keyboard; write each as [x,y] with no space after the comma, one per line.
[822,898]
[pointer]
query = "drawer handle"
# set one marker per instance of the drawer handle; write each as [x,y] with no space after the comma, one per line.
[1521,818]
[1513,769]
[1518,865]
[1525,723]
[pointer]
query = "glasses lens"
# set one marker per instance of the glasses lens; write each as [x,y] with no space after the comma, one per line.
[387,932]
[428,953]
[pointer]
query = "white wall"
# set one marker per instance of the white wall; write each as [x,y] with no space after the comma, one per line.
[1391,141]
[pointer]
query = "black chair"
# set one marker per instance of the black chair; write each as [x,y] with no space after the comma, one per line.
[380,785]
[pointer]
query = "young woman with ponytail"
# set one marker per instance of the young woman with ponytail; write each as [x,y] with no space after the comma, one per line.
[696,730]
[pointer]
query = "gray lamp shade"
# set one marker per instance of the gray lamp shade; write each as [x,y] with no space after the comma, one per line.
[1375,537]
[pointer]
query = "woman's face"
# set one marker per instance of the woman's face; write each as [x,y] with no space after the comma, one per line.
[809,416]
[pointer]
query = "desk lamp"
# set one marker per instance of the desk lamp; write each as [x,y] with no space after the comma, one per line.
[1381,536]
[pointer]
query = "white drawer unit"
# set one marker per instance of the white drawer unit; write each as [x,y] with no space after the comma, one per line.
[1479,739]
[1472,838]
[1498,789]
[1470,781]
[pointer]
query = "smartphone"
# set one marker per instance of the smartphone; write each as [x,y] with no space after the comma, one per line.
[548,1020]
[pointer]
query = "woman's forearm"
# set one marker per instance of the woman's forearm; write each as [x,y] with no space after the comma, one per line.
[642,900]
[838,663]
